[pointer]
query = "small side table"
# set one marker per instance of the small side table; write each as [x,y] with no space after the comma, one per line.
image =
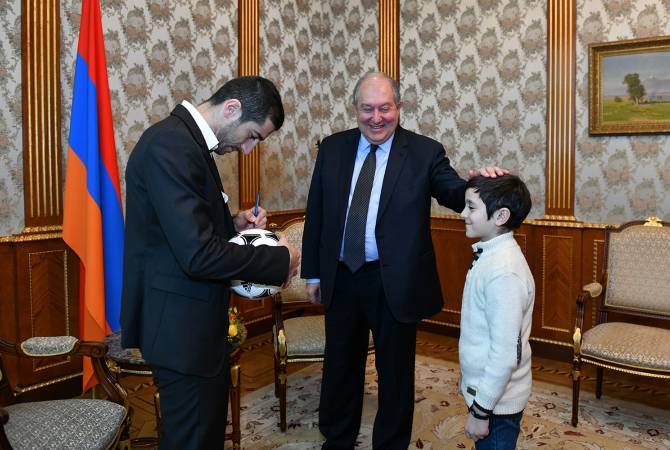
[129,361]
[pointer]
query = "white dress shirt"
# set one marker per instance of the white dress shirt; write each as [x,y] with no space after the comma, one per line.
[210,138]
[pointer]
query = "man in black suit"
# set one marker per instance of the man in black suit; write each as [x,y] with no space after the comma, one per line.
[368,256]
[178,262]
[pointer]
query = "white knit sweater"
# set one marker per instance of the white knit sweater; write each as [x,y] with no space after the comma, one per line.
[495,325]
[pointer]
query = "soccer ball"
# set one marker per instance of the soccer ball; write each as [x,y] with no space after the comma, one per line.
[254,237]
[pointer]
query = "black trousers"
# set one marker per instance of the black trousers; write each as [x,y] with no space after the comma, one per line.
[193,409]
[359,305]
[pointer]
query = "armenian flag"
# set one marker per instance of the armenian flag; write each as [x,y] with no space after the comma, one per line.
[93,215]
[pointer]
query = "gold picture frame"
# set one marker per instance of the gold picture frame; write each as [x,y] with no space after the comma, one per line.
[629,86]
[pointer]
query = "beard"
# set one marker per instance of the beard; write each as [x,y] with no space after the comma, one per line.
[226,137]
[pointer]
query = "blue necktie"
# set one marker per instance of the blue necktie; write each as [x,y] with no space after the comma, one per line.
[354,231]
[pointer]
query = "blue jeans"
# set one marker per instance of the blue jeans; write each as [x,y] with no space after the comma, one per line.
[503,432]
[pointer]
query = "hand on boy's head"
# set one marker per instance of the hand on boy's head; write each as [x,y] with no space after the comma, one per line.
[490,172]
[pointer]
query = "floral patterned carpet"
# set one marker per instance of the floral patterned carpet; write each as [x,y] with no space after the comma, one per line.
[440,413]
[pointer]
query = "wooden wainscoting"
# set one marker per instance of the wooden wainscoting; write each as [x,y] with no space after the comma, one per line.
[563,256]
[454,255]
[39,279]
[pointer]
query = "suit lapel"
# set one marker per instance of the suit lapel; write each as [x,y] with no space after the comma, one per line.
[394,166]
[346,169]
[182,113]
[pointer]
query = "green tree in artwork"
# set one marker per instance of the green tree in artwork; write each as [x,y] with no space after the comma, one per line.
[635,87]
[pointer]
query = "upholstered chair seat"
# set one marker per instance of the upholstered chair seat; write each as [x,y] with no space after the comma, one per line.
[306,337]
[627,343]
[81,424]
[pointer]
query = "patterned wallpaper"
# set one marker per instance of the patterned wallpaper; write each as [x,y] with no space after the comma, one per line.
[315,52]
[473,77]
[159,52]
[618,178]
[11,134]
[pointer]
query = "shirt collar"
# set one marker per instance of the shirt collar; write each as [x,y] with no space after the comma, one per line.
[364,144]
[210,138]
[497,241]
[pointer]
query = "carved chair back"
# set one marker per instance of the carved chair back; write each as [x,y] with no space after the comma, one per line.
[637,278]
[295,292]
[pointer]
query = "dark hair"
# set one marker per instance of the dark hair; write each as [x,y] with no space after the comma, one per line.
[507,191]
[259,98]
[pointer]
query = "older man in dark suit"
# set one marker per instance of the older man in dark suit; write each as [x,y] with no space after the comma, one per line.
[368,257]
[178,262]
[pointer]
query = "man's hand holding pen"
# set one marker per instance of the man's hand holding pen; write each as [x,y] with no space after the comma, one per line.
[245,220]
[255,217]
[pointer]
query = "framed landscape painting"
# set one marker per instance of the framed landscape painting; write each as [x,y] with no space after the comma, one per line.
[629,86]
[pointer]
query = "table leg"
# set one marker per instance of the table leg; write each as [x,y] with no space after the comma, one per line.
[157,411]
[235,403]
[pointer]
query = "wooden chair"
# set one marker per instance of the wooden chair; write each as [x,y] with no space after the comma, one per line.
[300,339]
[69,423]
[635,286]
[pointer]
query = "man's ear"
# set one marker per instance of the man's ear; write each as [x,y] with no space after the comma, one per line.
[231,109]
[502,216]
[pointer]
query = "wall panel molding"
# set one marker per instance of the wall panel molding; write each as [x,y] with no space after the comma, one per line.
[249,64]
[42,154]
[389,38]
[48,298]
[557,282]
[560,155]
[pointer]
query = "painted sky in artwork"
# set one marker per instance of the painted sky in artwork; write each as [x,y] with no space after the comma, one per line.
[650,66]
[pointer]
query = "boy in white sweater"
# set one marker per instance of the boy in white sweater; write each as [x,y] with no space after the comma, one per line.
[496,314]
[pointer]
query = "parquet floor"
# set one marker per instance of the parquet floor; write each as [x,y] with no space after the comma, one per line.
[257,371]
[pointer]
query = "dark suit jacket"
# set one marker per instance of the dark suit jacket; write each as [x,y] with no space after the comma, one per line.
[417,170]
[177,260]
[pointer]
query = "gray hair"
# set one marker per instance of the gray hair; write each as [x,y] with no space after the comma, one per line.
[394,86]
